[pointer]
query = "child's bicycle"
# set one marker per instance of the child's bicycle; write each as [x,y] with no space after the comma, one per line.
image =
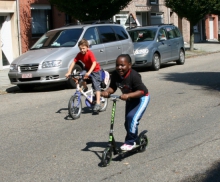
[142,140]
[75,102]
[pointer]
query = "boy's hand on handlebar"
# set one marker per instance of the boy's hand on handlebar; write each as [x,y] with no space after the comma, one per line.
[124,97]
[86,76]
[67,75]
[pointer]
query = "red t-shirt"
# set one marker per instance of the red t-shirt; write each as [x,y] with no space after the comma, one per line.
[88,59]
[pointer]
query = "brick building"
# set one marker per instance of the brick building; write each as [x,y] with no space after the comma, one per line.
[22,22]
[151,12]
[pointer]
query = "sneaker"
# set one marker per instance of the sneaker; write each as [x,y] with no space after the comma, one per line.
[97,108]
[128,147]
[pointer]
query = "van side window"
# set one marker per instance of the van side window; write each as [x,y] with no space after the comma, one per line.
[161,35]
[120,32]
[106,34]
[92,35]
[178,34]
[171,33]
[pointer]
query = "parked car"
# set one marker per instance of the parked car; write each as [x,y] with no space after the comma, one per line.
[49,58]
[154,45]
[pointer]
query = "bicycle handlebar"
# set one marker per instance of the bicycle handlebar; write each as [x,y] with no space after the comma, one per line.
[76,75]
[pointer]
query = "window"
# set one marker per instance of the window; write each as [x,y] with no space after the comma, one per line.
[143,35]
[153,1]
[58,38]
[106,34]
[91,34]
[172,32]
[156,18]
[161,35]
[120,32]
[41,19]
[178,34]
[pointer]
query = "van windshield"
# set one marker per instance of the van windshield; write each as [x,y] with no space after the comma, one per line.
[142,35]
[58,38]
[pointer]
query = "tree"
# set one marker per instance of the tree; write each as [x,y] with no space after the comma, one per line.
[85,10]
[216,8]
[193,11]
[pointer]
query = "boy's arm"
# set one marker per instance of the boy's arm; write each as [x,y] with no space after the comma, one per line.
[70,69]
[90,70]
[107,92]
[136,94]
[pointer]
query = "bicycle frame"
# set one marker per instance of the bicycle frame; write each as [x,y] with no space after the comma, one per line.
[79,90]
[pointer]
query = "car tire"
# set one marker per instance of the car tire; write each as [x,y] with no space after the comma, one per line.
[70,82]
[181,59]
[156,62]
[26,87]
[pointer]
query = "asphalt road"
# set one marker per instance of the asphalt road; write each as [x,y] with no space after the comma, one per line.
[39,142]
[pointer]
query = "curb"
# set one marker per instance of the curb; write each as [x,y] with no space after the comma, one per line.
[202,54]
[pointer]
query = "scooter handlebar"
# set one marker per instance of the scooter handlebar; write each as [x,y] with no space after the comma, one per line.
[115,96]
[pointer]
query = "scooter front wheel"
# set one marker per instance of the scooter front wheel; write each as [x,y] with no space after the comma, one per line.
[143,143]
[106,156]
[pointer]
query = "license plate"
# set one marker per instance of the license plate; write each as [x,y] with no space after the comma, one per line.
[27,75]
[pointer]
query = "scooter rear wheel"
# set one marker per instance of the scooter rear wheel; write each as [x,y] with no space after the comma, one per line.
[106,156]
[143,143]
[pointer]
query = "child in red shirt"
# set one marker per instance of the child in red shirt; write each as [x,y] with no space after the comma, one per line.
[92,68]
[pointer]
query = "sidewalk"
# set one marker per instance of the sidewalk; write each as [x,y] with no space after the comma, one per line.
[200,49]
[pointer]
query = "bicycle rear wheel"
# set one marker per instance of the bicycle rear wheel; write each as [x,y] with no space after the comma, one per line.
[75,106]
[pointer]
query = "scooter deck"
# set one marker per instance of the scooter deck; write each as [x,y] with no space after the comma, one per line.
[135,148]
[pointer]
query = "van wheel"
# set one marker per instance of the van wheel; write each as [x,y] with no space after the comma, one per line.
[70,82]
[156,62]
[181,59]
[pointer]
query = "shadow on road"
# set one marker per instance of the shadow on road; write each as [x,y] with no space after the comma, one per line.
[211,175]
[208,80]
[103,145]
[164,65]
[39,88]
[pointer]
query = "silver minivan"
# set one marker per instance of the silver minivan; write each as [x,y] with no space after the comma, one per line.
[49,58]
[155,45]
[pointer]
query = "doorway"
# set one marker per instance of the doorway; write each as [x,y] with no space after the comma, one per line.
[6,54]
[142,18]
[211,28]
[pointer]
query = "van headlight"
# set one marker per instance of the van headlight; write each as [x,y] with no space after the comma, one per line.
[51,64]
[14,67]
[141,51]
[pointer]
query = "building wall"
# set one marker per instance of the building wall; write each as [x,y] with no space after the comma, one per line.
[8,8]
[27,40]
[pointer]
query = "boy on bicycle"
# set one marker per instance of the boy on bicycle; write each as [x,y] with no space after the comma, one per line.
[134,92]
[92,68]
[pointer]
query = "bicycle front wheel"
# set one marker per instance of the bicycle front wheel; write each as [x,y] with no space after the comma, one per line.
[103,103]
[75,106]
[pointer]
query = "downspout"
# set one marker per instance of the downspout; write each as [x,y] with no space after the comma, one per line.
[168,15]
[18,25]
